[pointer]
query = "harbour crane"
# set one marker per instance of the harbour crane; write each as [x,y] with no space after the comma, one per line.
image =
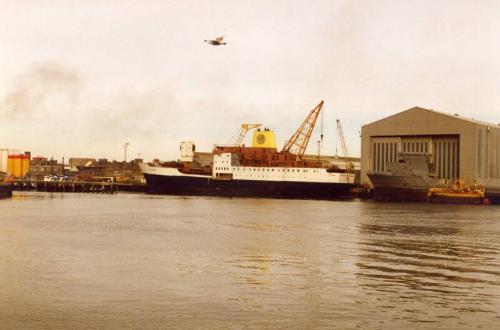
[348,165]
[244,130]
[297,143]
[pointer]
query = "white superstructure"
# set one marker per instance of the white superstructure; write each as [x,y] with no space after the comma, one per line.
[187,151]
[226,167]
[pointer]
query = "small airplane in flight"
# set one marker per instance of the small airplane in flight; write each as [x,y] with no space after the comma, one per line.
[216,42]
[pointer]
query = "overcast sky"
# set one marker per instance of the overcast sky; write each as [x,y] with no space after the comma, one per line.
[81,78]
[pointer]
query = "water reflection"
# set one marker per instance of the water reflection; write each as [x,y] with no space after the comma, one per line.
[152,262]
[253,269]
[428,262]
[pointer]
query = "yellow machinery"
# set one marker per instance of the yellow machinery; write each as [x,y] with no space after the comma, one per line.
[18,166]
[297,144]
[459,193]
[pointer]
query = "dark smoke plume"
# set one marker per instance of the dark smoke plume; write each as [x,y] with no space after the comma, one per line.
[32,90]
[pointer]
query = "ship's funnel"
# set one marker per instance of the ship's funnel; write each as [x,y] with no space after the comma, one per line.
[263,139]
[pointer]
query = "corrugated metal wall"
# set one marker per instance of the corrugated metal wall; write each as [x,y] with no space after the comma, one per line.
[444,151]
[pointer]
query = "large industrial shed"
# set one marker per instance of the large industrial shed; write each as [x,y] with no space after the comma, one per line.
[457,147]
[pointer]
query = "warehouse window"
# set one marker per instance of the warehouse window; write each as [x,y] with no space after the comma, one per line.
[445,157]
[382,160]
[497,156]
[479,153]
[377,167]
[454,160]
[391,150]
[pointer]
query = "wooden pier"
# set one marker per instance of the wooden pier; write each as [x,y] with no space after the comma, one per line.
[77,186]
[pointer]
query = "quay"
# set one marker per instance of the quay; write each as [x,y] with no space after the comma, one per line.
[76,186]
[5,190]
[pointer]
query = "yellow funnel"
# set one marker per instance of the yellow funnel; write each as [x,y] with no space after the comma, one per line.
[263,139]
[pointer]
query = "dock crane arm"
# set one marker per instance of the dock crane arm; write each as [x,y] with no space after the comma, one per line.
[297,143]
[348,165]
[244,130]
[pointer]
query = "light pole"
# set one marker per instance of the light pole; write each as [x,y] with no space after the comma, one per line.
[125,146]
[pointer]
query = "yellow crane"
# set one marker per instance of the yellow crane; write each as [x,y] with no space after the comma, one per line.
[297,143]
[244,130]
[348,165]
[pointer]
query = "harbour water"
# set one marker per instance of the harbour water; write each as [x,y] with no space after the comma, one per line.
[133,261]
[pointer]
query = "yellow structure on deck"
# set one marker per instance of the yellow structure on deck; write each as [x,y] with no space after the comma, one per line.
[458,193]
[263,139]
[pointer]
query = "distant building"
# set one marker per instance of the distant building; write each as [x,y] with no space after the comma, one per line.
[18,166]
[41,166]
[91,169]
[457,147]
[4,153]
[88,169]
[75,162]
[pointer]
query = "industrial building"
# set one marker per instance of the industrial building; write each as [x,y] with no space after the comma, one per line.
[457,147]
[4,153]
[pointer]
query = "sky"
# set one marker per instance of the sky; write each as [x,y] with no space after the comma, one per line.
[82,78]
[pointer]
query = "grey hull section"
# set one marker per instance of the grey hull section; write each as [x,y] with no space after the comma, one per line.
[388,187]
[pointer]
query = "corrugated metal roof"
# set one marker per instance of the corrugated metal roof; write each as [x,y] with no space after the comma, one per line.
[471,120]
[454,116]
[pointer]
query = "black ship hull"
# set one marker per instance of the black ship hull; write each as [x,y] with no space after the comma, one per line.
[492,194]
[200,186]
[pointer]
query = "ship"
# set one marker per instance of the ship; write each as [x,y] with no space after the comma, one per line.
[408,179]
[412,179]
[260,170]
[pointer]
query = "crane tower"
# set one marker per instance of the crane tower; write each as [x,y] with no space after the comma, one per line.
[297,144]
[348,165]
[244,130]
